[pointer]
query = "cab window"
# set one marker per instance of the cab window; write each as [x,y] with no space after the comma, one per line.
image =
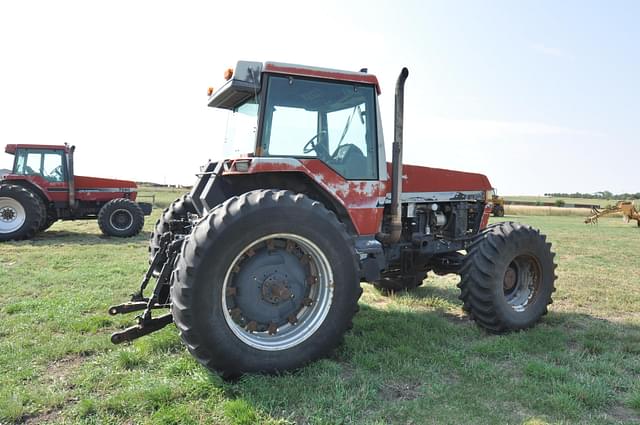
[330,121]
[46,164]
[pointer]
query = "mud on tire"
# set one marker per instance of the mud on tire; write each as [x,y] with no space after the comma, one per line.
[265,252]
[508,277]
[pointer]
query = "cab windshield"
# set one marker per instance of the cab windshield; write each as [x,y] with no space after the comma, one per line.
[334,122]
[46,164]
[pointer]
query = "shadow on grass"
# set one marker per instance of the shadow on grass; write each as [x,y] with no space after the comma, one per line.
[68,237]
[403,366]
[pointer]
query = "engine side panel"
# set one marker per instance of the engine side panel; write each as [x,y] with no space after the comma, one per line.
[363,200]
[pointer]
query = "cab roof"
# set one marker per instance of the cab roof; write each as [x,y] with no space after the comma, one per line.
[11,149]
[312,71]
[245,80]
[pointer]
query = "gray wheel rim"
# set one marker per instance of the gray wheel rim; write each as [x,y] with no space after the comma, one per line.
[303,322]
[12,215]
[521,282]
[118,217]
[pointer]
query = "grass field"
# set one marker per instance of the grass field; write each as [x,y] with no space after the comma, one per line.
[590,201]
[410,359]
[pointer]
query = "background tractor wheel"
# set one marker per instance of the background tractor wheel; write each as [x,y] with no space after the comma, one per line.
[178,210]
[21,213]
[508,277]
[267,282]
[394,282]
[498,211]
[121,217]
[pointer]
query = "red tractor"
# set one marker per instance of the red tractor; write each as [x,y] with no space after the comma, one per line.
[261,263]
[42,189]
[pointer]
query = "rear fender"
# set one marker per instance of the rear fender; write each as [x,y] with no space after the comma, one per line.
[214,187]
[35,188]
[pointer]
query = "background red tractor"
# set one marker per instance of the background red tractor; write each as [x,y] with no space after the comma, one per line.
[42,189]
[261,263]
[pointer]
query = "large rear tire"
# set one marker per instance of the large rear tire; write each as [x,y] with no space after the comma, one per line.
[267,282]
[121,217]
[508,277]
[21,213]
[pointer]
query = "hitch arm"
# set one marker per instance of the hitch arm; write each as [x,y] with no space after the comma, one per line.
[133,306]
[158,258]
[145,327]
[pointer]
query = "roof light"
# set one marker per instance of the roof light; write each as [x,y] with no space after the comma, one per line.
[209,91]
[228,74]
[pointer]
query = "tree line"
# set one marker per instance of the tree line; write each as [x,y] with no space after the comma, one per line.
[605,194]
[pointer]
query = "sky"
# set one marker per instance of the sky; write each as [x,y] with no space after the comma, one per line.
[541,96]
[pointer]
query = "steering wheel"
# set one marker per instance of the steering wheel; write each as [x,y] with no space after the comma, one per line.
[56,173]
[312,145]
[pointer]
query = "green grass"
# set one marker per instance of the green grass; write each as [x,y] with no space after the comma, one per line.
[410,358]
[590,201]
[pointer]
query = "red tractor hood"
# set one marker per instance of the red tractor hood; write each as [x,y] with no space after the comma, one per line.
[100,183]
[425,179]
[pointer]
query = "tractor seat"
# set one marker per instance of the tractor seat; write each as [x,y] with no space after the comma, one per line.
[349,161]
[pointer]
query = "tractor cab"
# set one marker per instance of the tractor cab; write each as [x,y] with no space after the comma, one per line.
[282,110]
[47,162]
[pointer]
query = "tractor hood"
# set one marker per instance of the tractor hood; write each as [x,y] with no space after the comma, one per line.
[417,179]
[98,184]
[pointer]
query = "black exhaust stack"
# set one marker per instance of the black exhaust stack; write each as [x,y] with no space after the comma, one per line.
[395,227]
[71,177]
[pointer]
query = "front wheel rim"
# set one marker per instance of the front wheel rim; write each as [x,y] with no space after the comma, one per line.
[277,292]
[12,215]
[522,282]
[121,220]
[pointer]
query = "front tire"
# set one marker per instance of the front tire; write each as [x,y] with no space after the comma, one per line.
[508,277]
[267,282]
[121,217]
[21,213]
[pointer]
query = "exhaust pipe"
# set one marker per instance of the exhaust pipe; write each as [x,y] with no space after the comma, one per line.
[395,228]
[71,176]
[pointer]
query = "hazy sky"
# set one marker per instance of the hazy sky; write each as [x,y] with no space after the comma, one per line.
[542,96]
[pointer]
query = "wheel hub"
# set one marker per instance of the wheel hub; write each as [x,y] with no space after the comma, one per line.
[8,214]
[268,288]
[521,282]
[121,219]
[510,279]
[275,289]
[277,292]
[12,215]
